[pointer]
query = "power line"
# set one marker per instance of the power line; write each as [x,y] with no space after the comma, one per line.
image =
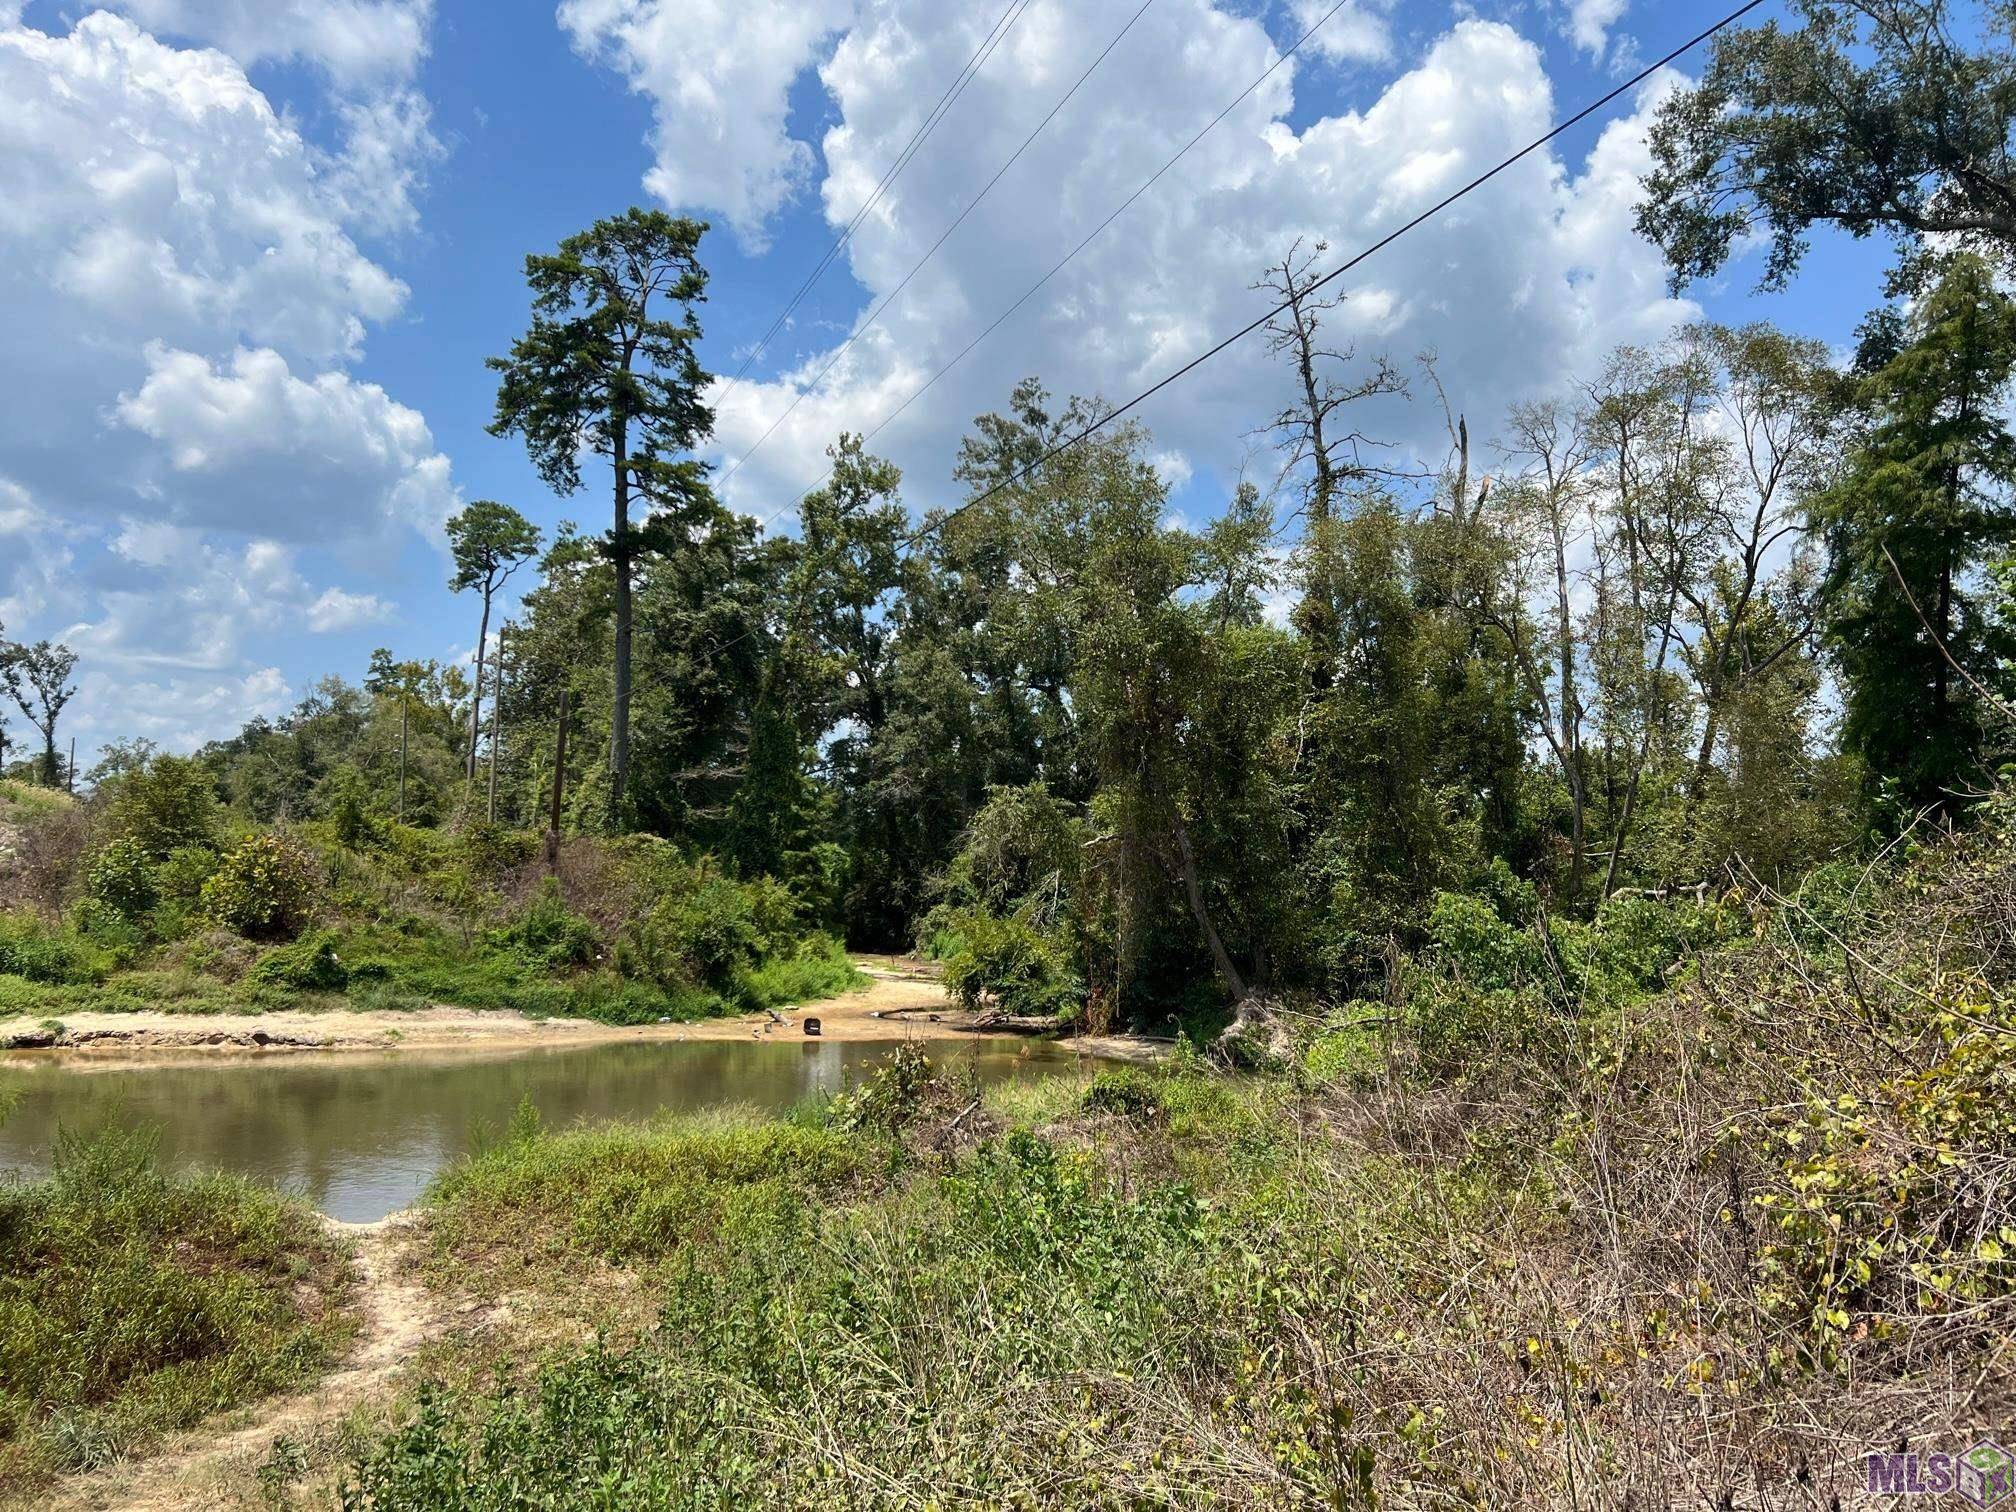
[1099,229]
[933,526]
[1058,266]
[957,222]
[1337,272]
[1003,24]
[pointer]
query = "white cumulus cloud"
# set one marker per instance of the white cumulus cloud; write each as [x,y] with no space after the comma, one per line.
[1516,288]
[183,291]
[718,74]
[358,42]
[294,446]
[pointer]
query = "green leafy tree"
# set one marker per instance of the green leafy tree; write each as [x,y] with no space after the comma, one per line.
[38,680]
[608,368]
[490,541]
[1923,504]
[1871,116]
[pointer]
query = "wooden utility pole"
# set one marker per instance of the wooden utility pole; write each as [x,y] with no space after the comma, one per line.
[559,783]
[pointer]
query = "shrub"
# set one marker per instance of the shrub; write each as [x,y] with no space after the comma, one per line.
[549,934]
[704,935]
[59,957]
[490,850]
[1024,969]
[307,965]
[169,803]
[1126,1090]
[264,888]
[121,878]
[1468,936]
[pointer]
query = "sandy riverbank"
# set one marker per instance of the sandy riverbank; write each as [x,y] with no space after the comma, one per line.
[897,1004]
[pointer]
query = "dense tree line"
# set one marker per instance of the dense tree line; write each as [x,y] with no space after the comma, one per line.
[1723,611]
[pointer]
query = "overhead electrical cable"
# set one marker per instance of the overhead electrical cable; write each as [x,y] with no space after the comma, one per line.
[1058,266]
[1335,273]
[1003,24]
[959,220]
[932,526]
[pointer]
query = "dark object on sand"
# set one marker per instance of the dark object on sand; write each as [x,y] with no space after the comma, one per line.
[812,1027]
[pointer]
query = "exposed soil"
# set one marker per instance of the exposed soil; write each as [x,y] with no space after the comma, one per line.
[902,1001]
[217,1463]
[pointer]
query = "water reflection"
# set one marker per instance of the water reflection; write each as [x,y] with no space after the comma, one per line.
[360,1136]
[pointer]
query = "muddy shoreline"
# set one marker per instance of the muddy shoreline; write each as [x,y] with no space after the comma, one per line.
[895,1006]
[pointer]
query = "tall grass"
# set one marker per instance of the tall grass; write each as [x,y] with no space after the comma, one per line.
[1649,1214]
[133,1302]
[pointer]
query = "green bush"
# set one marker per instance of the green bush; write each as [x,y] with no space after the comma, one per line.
[1024,969]
[58,957]
[1468,937]
[491,850]
[548,934]
[121,879]
[307,965]
[169,803]
[264,888]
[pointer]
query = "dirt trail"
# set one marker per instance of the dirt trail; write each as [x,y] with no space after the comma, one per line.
[216,1463]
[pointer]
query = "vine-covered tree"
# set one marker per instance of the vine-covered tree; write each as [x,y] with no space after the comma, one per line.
[1924,503]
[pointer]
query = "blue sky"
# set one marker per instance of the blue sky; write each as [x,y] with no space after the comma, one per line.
[247,292]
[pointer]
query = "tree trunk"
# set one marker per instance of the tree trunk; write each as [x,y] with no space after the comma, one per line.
[559,785]
[49,754]
[496,734]
[619,720]
[476,703]
[1195,892]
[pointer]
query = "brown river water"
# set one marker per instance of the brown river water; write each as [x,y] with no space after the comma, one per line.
[360,1135]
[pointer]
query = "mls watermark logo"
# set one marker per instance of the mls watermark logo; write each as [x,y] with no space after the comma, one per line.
[1985,1475]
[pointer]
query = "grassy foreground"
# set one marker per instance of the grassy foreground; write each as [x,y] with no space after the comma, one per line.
[1692,1222]
[1685,1206]
[133,1303]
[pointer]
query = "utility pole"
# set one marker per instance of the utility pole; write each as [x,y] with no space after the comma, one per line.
[559,782]
[70,774]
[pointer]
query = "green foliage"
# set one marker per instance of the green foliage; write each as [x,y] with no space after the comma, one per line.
[815,967]
[133,1302]
[265,887]
[889,1097]
[121,878]
[1011,964]
[1923,504]
[1865,117]
[309,964]
[51,955]
[548,934]
[169,803]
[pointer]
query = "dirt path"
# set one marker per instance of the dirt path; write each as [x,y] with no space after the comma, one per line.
[215,1463]
[900,1002]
